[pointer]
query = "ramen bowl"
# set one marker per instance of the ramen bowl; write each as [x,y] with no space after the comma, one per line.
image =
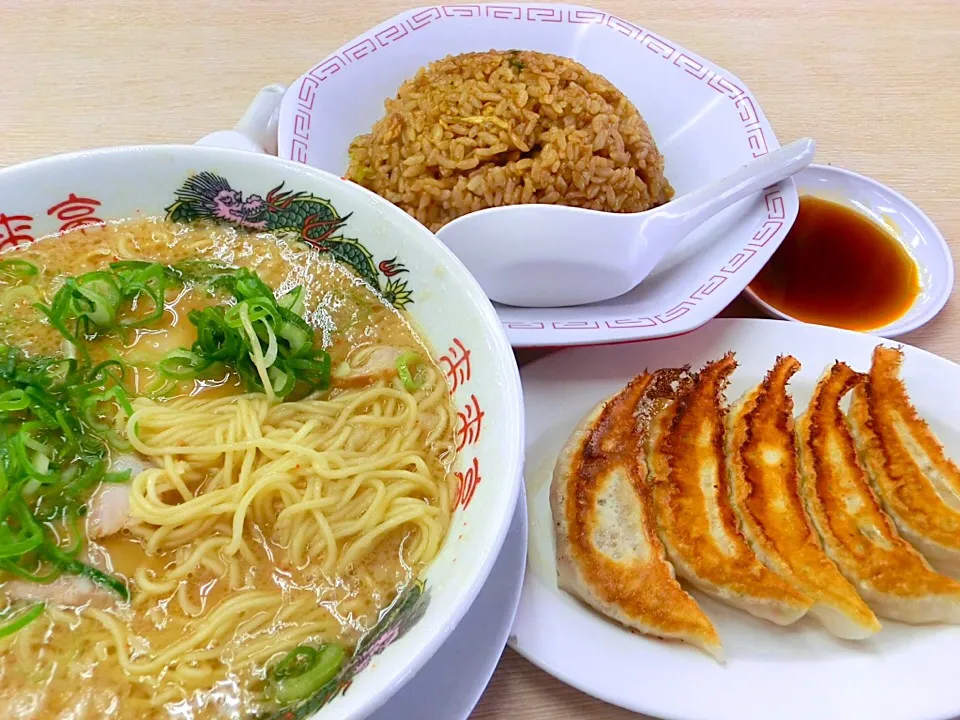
[408,267]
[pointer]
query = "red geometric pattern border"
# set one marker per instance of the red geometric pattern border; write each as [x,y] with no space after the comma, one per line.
[370,44]
[776,215]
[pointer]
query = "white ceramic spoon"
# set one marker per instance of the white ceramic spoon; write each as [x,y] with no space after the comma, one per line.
[553,256]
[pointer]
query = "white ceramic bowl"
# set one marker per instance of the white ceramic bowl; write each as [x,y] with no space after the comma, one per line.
[903,220]
[40,198]
[705,121]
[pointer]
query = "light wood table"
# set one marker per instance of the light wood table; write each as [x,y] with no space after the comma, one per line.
[874,82]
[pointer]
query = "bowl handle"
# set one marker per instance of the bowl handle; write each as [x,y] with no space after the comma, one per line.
[257,129]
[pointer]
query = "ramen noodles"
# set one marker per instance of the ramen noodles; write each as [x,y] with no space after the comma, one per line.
[224,456]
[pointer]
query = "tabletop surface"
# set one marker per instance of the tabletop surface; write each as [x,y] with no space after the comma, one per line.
[874,83]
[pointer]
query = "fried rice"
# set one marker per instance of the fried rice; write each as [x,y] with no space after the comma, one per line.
[482,130]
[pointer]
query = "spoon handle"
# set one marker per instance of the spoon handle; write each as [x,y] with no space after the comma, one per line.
[687,213]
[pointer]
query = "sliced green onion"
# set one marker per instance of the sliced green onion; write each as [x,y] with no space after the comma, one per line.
[75,567]
[259,336]
[265,340]
[410,381]
[182,364]
[101,578]
[216,340]
[142,279]
[297,338]
[304,671]
[95,301]
[295,330]
[281,382]
[36,577]
[293,301]
[314,371]
[55,316]
[18,269]
[296,662]
[19,619]
[27,539]
[41,461]
[117,477]
[20,444]
[55,428]
[14,400]
[96,297]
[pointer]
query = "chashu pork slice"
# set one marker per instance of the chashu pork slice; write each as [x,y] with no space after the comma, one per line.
[691,497]
[765,488]
[608,552]
[857,534]
[917,484]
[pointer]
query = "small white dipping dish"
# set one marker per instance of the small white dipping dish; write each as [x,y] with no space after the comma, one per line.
[903,220]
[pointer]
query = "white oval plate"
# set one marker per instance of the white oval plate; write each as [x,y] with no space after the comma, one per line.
[451,683]
[704,120]
[796,673]
[904,220]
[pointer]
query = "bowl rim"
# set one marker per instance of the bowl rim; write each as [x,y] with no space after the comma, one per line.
[911,319]
[616,320]
[508,382]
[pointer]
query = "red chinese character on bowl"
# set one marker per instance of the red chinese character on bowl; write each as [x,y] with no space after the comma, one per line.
[76,212]
[15,230]
[467,482]
[470,424]
[456,364]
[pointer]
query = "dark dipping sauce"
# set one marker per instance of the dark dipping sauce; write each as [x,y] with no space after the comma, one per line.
[838,267]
